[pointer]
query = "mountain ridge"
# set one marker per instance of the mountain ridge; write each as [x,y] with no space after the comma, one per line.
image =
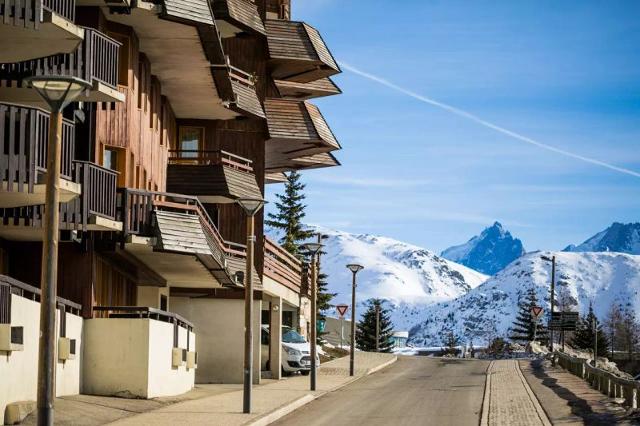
[619,237]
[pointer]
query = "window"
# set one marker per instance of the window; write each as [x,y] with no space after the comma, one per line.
[110,159]
[115,159]
[191,141]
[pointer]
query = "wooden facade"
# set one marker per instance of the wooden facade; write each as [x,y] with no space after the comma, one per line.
[191,108]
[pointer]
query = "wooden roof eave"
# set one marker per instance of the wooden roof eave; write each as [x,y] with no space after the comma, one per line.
[242,15]
[304,91]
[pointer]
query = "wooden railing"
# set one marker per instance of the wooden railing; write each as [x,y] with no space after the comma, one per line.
[602,380]
[98,190]
[137,207]
[209,157]
[95,60]
[24,133]
[281,266]
[27,13]
[28,292]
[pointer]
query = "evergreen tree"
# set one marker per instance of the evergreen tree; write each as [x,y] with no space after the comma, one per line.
[290,213]
[451,343]
[584,337]
[366,329]
[324,297]
[612,324]
[629,330]
[524,327]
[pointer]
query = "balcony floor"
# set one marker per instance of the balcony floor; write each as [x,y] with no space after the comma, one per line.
[55,35]
[100,92]
[68,191]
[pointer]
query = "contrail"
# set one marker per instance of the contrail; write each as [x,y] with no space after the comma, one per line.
[485,123]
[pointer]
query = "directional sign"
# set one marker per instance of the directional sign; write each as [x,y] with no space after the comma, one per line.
[342,309]
[566,321]
[536,312]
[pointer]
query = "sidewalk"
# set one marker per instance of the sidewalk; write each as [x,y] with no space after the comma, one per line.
[270,401]
[567,399]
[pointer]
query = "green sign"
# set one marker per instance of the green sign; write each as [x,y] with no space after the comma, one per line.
[320,324]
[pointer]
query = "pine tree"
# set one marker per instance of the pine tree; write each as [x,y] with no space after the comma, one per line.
[291,212]
[524,327]
[451,343]
[629,330]
[584,337]
[366,328]
[612,324]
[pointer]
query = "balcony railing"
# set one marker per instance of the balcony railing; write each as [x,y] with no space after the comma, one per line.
[281,266]
[27,13]
[142,312]
[212,157]
[25,134]
[95,60]
[237,88]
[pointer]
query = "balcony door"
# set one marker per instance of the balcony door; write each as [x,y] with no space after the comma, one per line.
[190,144]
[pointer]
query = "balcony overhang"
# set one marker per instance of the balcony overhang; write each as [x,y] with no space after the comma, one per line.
[20,93]
[13,198]
[234,17]
[53,34]
[275,177]
[316,161]
[182,45]
[296,129]
[238,90]
[304,91]
[297,52]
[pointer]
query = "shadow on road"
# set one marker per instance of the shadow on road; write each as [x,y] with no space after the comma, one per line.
[580,407]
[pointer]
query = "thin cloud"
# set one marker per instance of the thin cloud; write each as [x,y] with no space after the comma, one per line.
[371,182]
[482,122]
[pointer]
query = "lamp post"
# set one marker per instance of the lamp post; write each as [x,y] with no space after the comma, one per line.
[553,290]
[354,268]
[57,92]
[251,206]
[377,328]
[313,249]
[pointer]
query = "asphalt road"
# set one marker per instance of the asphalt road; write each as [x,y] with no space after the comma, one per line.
[412,391]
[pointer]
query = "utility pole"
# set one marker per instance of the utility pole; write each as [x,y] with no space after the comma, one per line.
[377,328]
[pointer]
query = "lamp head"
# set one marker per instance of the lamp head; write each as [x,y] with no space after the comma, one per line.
[547,258]
[312,248]
[57,90]
[251,206]
[355,268]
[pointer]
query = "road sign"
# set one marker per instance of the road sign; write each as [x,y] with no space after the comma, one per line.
[536,312]
[342,309]
[567,321]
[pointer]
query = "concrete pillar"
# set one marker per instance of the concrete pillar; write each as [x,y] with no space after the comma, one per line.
[275,335]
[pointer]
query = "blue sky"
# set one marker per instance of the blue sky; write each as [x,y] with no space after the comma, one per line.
[566,74]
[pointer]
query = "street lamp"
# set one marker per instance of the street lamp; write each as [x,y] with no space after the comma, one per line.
[251,206]
[313,249]
[57,92]
[354,268]
[553,290]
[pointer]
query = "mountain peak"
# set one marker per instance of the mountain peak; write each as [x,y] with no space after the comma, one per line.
[488,252]
[619,237]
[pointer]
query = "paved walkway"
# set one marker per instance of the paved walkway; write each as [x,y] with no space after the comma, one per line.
[508,399]
[270,401]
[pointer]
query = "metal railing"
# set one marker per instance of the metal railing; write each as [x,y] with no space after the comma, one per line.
[94,60]
[281,266]
[28,292]
[209,157]
[27,13]
[604,381]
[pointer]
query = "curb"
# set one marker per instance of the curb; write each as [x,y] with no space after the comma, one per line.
[534,399]
[486,398]
[283,410]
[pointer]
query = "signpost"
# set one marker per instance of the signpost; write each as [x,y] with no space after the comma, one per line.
[564,321]
[342,310]
[536,314]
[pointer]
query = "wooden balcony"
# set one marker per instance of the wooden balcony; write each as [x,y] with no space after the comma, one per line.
[23,157]
[212,176]
[316,161]
[297,52]
[94,60]
[237,90]
[234,17]
[281,266]
[296,129]
[94,210]
[165,231]
[36,28]
[305,91]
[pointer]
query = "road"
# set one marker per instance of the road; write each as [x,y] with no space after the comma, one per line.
[412,391]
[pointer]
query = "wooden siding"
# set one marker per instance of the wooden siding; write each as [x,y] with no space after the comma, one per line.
[195,11]
[240,13]
[212,181]
[304,91]
[180,233]
[297,52]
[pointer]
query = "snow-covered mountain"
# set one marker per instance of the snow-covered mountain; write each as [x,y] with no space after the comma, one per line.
[488,252]
[619,237]
[409,277]
[489,309]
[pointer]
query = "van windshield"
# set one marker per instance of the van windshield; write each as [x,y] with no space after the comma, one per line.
[289,335]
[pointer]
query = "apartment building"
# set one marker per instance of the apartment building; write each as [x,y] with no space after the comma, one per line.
[192,105]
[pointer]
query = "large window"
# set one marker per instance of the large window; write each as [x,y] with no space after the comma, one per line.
[191,141]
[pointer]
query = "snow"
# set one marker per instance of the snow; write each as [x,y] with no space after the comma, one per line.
[488,310]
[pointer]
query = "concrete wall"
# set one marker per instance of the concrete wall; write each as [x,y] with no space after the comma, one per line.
[19,369]
[132,358]
[220,327]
